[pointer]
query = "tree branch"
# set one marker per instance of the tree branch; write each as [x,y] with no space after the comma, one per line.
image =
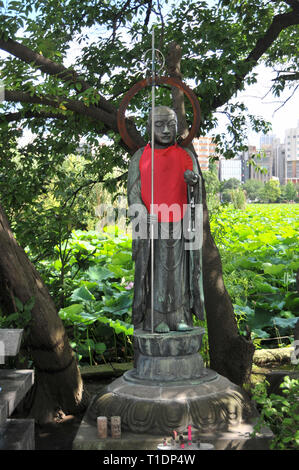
[51,68]
[293,4]
[287,76]
[173,63]
[279,23]
[11,117]
[104,111]
[92,112]
[285,102]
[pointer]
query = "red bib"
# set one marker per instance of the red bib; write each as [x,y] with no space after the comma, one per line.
[170,189]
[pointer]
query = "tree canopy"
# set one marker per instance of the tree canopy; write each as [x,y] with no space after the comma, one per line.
[68,65]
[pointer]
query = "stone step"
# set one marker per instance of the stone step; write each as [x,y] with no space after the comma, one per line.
[14,386]
[3,412]
[17,434]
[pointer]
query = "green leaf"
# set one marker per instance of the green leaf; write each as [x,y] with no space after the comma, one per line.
[100,348]
[284,324]
[29,304]
[99,273]
[273,268]
[73,309]
[19,304]
[258,333]
[121,258]
[83,294]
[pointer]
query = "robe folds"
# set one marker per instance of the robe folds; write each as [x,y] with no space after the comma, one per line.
[178,290]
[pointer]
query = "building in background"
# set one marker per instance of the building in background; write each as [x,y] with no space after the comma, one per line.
[205,149]
[291,144]
[231,168]
[276,159]
[267,139]
[279,161]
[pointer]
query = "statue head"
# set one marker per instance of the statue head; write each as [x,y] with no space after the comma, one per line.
[165,126]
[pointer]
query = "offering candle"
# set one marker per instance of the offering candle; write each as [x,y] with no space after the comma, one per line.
[115,427]
[102,427]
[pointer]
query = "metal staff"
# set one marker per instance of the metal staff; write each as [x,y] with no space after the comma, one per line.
[152,179]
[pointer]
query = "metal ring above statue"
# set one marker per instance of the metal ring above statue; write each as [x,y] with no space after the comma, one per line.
[158,81]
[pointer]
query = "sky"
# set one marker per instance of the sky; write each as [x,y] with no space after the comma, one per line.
[282,112]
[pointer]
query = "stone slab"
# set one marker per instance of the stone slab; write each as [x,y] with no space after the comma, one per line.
[3,411]
[17,434]
[238,438]
[11,339]
[113,369]
[14,384]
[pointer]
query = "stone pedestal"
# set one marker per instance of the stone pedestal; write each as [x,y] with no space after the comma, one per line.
[170,389]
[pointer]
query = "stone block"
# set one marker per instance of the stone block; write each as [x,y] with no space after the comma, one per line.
[169,368]
[14,384]
[174,343]
[11,338]
[3,411]
[17,434]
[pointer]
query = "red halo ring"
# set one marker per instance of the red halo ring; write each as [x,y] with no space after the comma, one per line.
[158,81]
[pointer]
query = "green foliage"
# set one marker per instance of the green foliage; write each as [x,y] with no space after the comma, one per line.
[212,185]
[54,199]
[19,319]
[253,189]
[271,191]
[111,39]
[238,198]
[97,292]
[259,250]
[231,183]
[289,191]
[280,413]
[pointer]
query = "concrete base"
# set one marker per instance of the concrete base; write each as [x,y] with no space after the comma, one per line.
[169,390]
[17,434]
[212,403]
[237,438]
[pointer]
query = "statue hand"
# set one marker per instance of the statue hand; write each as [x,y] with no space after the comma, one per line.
[190,177]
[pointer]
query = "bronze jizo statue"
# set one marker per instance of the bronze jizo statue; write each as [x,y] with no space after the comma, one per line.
[177,217]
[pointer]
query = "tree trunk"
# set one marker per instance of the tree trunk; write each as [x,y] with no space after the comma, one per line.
[230,353]
[58,384]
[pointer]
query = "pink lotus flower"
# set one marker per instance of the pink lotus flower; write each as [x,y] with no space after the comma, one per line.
[130,285]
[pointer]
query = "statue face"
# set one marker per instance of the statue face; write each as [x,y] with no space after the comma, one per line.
[165,128]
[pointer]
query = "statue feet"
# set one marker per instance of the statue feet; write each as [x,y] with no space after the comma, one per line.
[162,328]
[182,326]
